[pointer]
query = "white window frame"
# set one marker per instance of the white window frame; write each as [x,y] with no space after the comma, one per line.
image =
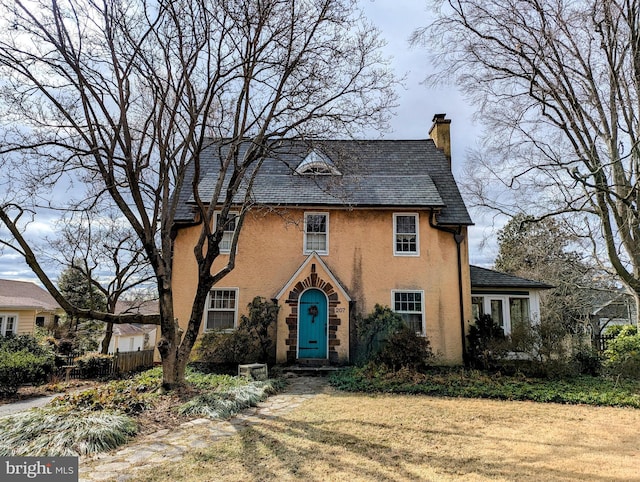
[4,317]
[396,234]
[307,250]
[505,299]
[423,331]
[227,237]
[208,308]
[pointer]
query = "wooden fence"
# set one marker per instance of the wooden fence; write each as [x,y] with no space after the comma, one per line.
[120,362]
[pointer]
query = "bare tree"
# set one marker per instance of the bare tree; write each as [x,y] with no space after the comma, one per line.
[119,98]
[557,86]
[103,248]
[545,251]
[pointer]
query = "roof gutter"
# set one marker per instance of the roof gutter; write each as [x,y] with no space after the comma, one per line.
[458,237]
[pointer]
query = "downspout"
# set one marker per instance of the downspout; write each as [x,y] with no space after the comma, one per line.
[458,238]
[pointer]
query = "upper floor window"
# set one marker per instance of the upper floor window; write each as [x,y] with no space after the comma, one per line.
[316,233]
[405,235]
[408,304]
[222,309]
[8,325]
[229,229]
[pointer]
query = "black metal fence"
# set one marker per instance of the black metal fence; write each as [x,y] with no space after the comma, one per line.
[104,366]
[602,342]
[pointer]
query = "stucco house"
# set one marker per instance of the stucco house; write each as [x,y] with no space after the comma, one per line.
[507,298]
[23,306]
[336,227]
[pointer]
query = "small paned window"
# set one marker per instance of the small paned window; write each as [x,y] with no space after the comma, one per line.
[222,310]
[408,304]
[229,229]
[316,233]
[405,227]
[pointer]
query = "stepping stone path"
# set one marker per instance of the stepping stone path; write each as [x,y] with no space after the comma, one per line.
[170,445]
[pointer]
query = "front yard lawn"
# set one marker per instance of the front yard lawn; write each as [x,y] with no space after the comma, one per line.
[457,382]
[372,437]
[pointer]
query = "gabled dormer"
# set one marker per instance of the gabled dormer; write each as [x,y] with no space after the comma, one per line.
[317,163]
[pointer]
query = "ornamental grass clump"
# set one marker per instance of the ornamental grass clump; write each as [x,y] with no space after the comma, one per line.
[223,405]
[61,432]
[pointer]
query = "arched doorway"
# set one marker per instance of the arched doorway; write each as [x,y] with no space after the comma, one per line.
[312,324]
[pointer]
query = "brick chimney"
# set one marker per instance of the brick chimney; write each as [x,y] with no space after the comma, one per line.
[440,133]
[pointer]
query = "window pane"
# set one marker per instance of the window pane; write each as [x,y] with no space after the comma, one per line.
[413,321]
[406,234]
[221,313]
[229,228]
[316,232]
[405,224]
[220,320]
[316,223]
[496,312]
[409,305]
[519,310]
[477,307]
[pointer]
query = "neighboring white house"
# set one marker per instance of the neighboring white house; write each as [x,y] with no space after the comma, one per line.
[508,299]
[133,337]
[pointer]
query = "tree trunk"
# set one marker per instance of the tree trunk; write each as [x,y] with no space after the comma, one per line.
[108,333]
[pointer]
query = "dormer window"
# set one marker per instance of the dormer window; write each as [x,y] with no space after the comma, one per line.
[317,163]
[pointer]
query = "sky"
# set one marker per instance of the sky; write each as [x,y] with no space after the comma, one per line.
[397,20]
[417,104]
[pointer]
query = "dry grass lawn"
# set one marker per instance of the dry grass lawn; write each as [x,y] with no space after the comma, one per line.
[355,437]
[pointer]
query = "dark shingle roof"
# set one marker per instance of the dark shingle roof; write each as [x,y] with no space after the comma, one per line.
[488,278]
[375,173]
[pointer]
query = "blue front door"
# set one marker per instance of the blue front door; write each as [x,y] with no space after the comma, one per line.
[312,325]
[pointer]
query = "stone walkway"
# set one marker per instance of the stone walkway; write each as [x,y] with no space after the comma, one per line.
[170,445]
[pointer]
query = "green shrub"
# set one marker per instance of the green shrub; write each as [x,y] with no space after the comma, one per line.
[250,342]
[623,354]
[93,365]
[615,330]
[127,396]
[374,331]
[405,349]
[587,360]
[224,351]
[23,367]
[486,343]
[24,342]
[260,325]
[478,384]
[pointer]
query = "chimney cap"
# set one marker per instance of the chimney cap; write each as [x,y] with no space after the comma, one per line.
[440,119]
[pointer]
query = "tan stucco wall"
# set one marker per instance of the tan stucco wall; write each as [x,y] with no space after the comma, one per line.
[270,250]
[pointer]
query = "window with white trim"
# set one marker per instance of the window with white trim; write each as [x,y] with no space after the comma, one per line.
[8,324]
[222,309]
[507,311]
[409,305]
[405,235]
[229,229]
[316,233]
